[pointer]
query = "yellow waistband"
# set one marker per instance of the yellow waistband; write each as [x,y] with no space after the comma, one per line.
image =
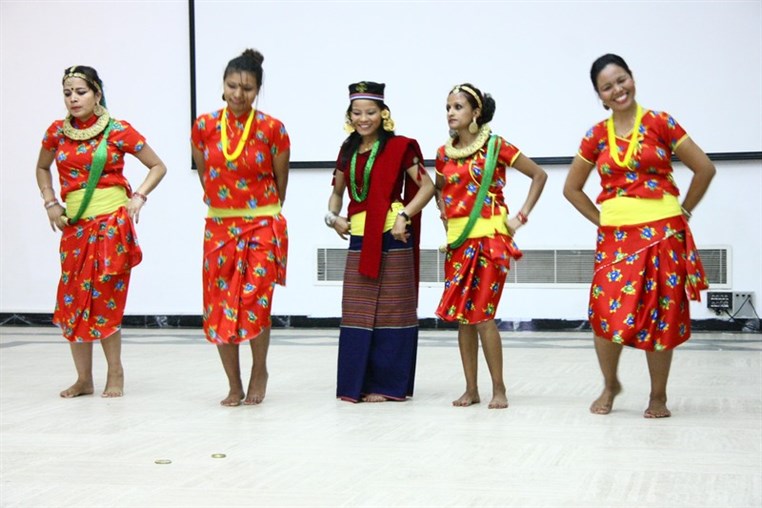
[357,221]
[260,211]
[483,227]
[623,210]
[104,200]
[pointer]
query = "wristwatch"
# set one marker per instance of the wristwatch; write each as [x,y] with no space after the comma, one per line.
[404,214]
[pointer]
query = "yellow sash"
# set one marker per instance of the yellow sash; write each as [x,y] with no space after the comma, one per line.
[623,210]
[483,227]
[357,221]
[104,200]
[260,211]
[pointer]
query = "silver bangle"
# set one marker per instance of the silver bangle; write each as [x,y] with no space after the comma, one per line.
[330,219]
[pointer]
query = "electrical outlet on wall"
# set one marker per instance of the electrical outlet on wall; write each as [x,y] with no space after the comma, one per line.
[743,304]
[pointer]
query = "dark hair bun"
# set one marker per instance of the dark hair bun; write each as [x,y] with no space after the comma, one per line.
[255,55]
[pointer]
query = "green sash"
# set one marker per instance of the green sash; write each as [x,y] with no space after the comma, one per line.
[489,171]
[96,169]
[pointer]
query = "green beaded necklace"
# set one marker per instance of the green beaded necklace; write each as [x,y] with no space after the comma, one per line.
[366,174]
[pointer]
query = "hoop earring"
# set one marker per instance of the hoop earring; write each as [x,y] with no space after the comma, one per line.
[473,127]
[99,110]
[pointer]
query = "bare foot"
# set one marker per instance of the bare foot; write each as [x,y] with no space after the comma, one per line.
[468,398]
[657,408]
[373,397]
[77,389]
[499,400]
[257,389]
[603,404]
[233,399]
[114,384]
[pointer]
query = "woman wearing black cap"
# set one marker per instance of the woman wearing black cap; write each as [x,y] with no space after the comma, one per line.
[388,186]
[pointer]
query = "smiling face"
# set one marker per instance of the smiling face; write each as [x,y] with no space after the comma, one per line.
[241,91]
[616,88]
[79,98]
[460,113]
[365,116]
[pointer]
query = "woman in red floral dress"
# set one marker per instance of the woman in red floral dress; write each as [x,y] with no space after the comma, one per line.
[98,245]
[242,157]
[646,265]
[471,172]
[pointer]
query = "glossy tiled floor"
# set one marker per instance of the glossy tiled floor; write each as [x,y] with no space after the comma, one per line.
[303,448]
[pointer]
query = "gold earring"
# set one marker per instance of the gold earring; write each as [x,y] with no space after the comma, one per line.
[99,110]
[348,127]
[473,127]
[388,123]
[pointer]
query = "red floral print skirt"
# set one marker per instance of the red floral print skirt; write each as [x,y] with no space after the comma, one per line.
[244,258]
[644,276]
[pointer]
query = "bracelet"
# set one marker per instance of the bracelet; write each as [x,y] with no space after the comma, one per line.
[42,191]
[140,196]
[686,212]
[51,204]
[521,217]
[330,219]
[403,214]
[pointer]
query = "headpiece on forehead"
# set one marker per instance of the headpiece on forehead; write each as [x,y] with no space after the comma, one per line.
[470,91]
[367,90]
[71,72]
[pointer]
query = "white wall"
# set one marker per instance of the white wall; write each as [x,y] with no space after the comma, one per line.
[699,60]
[145,65]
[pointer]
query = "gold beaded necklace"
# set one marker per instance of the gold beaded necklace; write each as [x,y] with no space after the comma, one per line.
[473,147]
[72,132]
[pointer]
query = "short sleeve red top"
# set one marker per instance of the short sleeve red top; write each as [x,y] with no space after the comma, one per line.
[650,171]
[74,158]
[249,180]
[463,177]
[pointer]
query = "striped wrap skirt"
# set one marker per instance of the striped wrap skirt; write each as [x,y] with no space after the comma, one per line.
[378,338]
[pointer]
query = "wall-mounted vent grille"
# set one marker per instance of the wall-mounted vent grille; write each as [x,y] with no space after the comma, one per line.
[552,266]
[715,263]
[330,264]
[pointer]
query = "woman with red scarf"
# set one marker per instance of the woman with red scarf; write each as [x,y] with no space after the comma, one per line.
[242,157]
[646,265]
[471,175]
[388,187]
[99,246]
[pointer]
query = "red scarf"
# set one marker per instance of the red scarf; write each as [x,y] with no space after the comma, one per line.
[387,170]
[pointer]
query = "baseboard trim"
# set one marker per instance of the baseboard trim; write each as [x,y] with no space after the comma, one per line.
[194,321]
